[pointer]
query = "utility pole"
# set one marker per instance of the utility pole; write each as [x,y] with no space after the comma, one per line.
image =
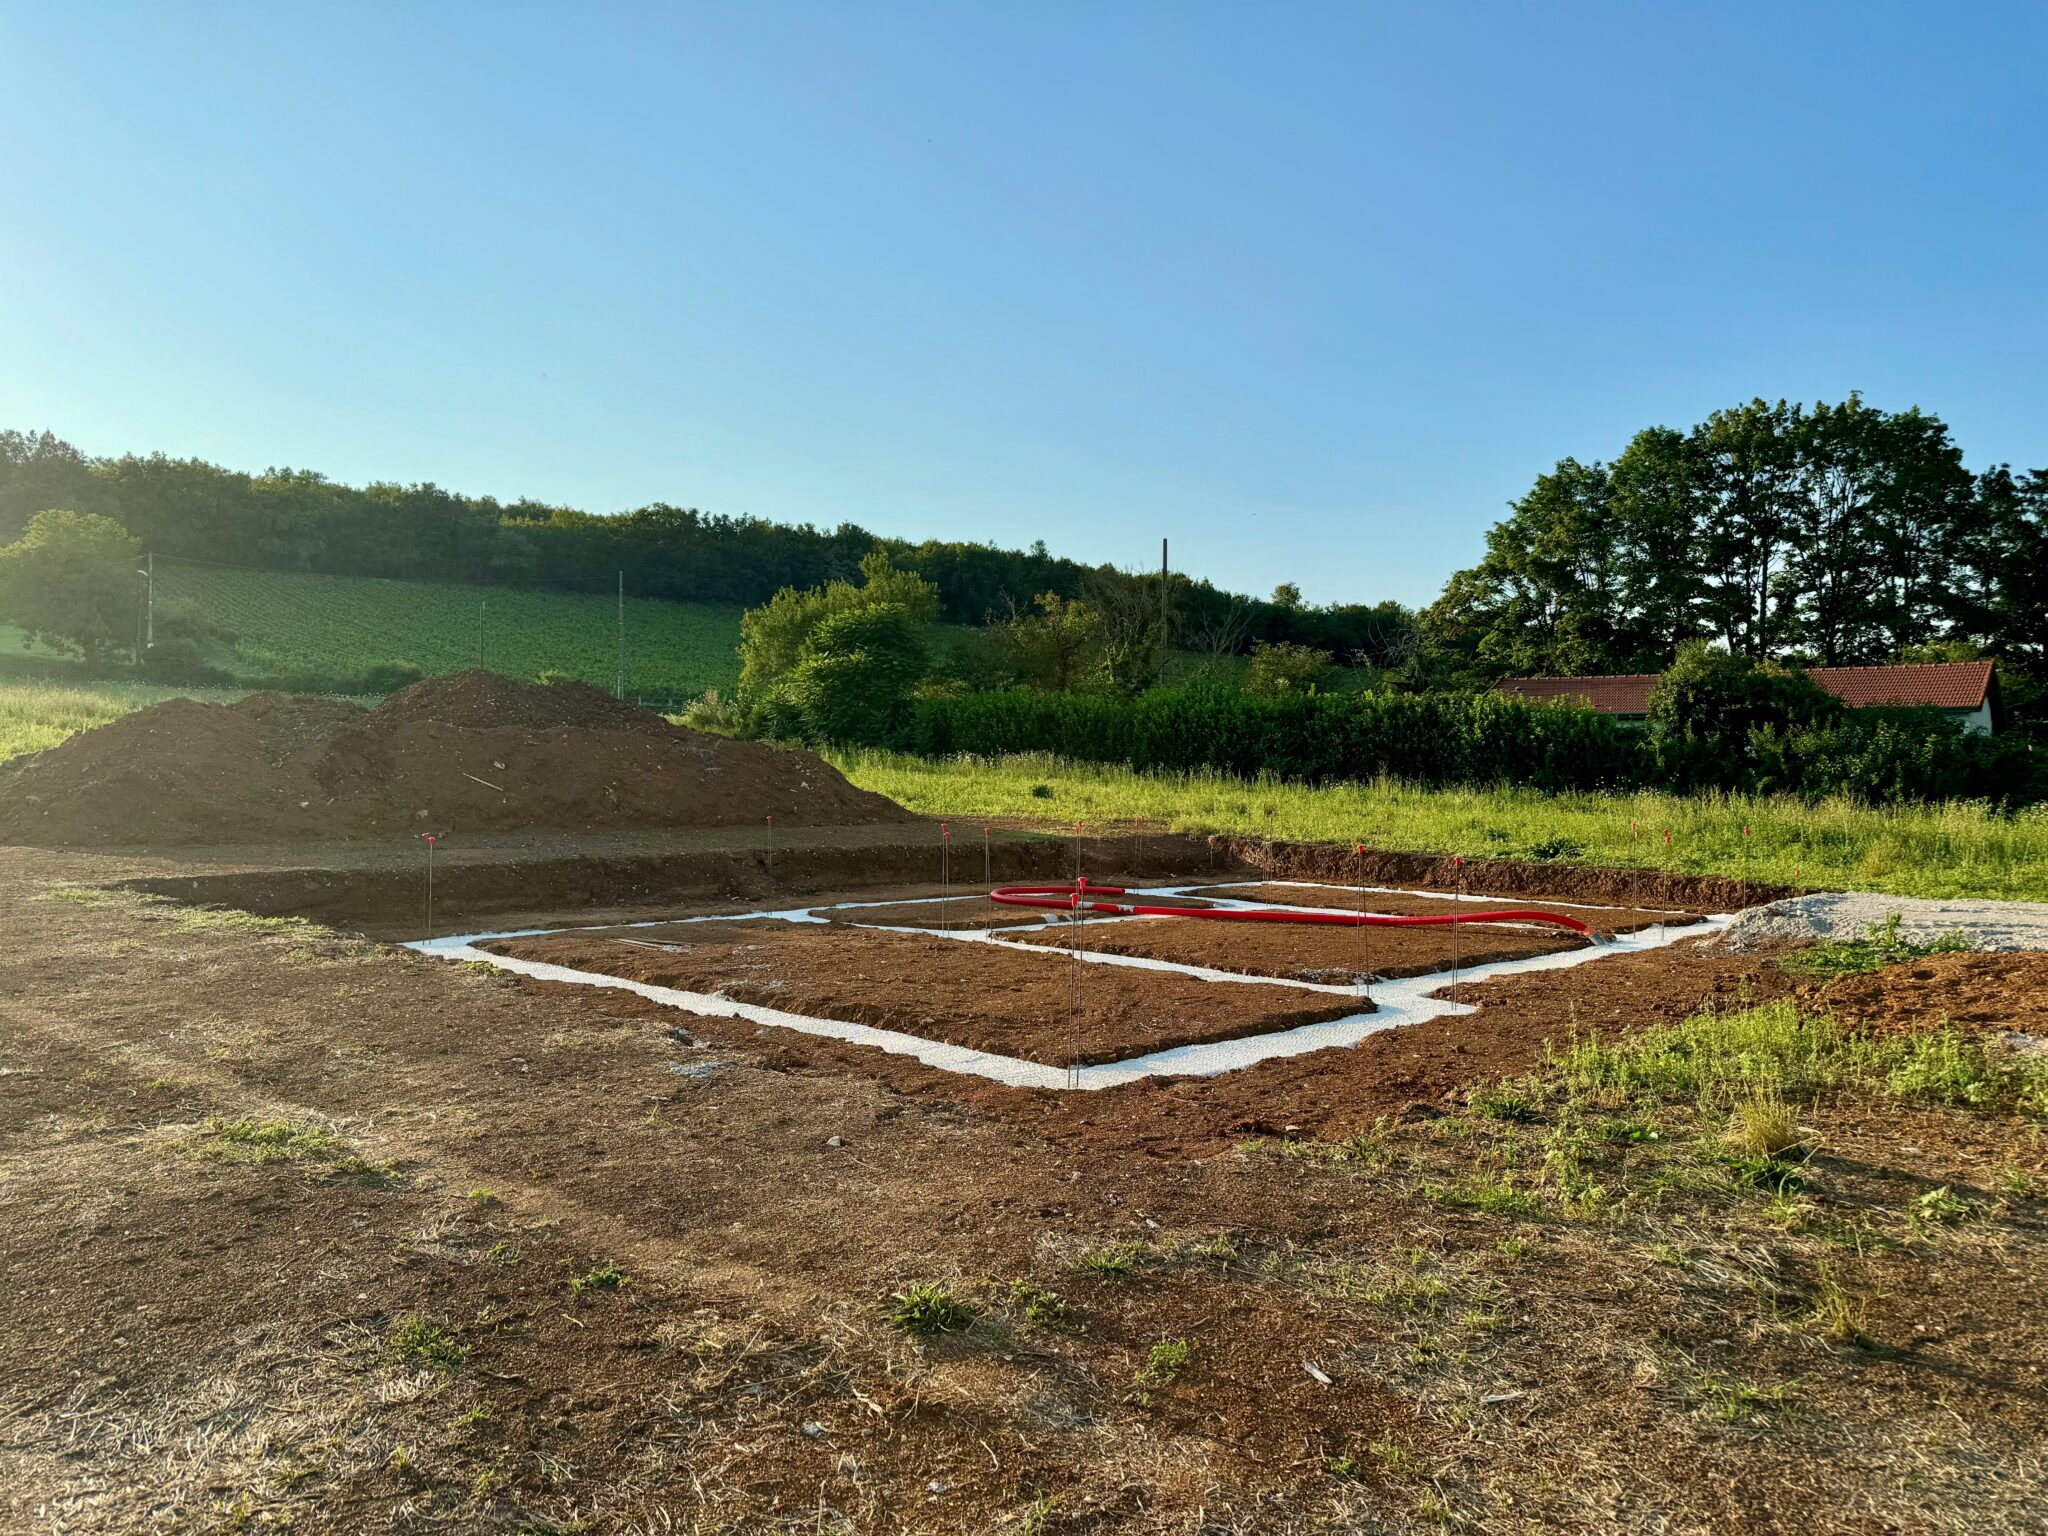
[622,635]
[149,601]
[1163,630]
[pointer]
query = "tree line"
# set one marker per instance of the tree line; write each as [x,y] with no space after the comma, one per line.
[1836,535]
[299,520]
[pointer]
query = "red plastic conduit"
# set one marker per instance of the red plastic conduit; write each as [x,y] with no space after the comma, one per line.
[1074,898]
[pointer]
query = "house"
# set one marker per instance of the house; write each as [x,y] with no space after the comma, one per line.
[1962,690]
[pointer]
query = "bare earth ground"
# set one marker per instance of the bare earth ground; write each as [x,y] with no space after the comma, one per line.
[973,995]
[381,1327]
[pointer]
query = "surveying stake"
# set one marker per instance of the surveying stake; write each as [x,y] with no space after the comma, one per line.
[432,840]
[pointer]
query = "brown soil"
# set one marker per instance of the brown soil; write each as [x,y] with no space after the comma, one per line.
[196,1343]
[1978,994]
[1601,919]
[1527,878]
[1310,953]
[464,754]
[974,995]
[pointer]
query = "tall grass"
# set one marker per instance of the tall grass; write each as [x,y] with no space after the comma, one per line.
[35,715]
[1950,849]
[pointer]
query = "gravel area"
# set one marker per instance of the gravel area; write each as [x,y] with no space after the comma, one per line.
[1991,925]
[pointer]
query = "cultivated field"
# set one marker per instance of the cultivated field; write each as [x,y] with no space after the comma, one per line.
[339,625]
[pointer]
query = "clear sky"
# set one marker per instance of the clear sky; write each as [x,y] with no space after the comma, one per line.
[1313,290]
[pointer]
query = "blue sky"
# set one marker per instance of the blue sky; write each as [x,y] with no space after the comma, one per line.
[1313,290]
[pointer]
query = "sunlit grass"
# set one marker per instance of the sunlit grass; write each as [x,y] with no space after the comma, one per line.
[1953,849]
[35,715]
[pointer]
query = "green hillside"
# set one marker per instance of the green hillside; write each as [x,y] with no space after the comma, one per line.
[332,625]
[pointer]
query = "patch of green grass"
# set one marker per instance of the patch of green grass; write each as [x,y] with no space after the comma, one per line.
[270,1141]
[1762,1123]
[1835,1311]
[284,1141]
[420,1341]
[77,895]
[1497,1101]
[1495,1193]
[606,1277]
[35,714]
[1881,946]
[1039,1306]
[1114,1262]
[1951,849]
[1719,1059]
[1742,1402]
[1940,1208]
[1163,1362]
[231,920]
[926,1309]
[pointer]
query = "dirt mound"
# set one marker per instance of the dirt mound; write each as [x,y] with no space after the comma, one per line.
[475,753]
[478,700]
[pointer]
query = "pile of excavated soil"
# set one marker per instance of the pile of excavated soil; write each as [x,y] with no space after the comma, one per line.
[471,753]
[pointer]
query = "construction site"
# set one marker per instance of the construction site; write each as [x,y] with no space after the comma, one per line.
[503,1109]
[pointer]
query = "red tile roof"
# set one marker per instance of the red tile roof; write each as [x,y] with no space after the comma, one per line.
[1625,693]
[1938,685]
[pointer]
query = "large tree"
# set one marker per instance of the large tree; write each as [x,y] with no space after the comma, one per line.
[1839,534]
[70,581]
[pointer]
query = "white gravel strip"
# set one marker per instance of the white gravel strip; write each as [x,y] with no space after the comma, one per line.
[1399,1002]
[1989,925]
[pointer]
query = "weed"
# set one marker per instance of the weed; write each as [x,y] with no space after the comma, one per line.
[76,895]
[1500,1102]
[1495,1195]
[926,1309]
[1514,1247]
[2016,1183]
[485,1198]
[1939,1208]
[1770,1175]
[1113,1262]
[1672,1257]
[421,1341]
[1345,1468]
[1163,1362]
[606,1277]
[1396,1460]
[1762,1123]
[502,1252]
[1739,1402]
[1883,945]
[1039,1306]
[1836,1313]
[270,1141]
[1629,1130]
[482,1413]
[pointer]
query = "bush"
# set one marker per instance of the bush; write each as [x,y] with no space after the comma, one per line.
[1478,739]
[1285,668]
[853,679]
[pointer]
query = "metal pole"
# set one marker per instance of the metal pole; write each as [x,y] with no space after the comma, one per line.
[1162,613]
[149,604]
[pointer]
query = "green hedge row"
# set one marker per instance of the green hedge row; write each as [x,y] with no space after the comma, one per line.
[1877,756]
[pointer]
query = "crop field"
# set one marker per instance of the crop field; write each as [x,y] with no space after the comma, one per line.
[340,625]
